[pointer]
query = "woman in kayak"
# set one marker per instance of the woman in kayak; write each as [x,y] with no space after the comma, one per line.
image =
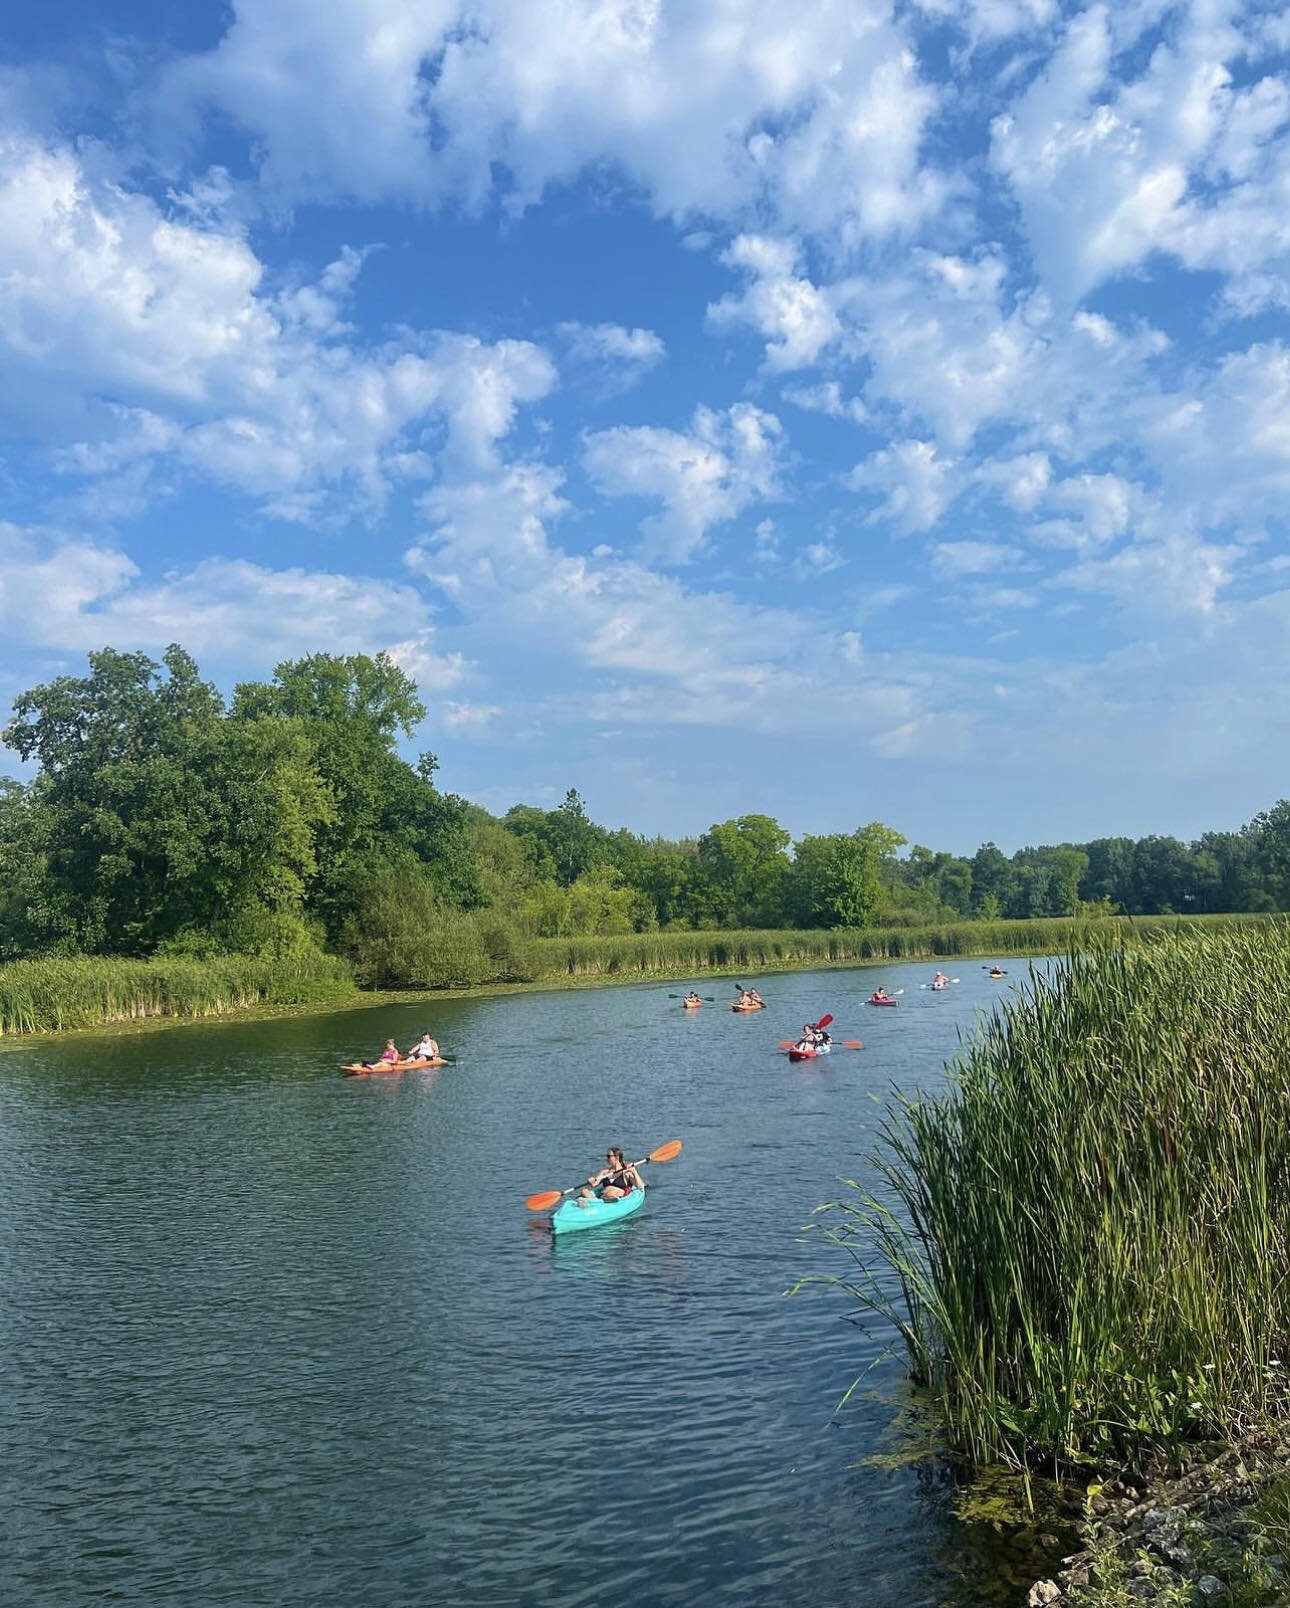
[619,1178]
[879,993]
[425,1049]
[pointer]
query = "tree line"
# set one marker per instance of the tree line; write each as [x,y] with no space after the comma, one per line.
[162,817]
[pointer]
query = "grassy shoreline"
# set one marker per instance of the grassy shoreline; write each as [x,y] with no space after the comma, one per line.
[91,993]
[1081,1243]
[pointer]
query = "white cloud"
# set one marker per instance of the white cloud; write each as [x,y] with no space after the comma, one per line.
[912,480]
[459,717]
[619,356]
[794,315]
[827,397]
[713,109]
[727,462]
[951,560]
[1175,160]
[816,559]
[1177,575]
[58,591]
[159,337]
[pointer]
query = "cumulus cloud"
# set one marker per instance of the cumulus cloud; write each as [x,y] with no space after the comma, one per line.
[157,336]
[57,591]
[1176,159]
[818,113]
[912,481]
[794,315]
[725,463]
[616,356]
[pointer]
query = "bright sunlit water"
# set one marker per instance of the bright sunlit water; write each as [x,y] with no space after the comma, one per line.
[272,1336]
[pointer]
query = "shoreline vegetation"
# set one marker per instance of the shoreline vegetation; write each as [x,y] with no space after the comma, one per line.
[65,993]
[180,852]
[1082,1243]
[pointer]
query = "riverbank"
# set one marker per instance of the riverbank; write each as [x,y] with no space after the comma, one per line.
[1081,1246]
[63,994]
[1218,1532]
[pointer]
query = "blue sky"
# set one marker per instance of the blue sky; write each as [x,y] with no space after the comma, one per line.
[848,410]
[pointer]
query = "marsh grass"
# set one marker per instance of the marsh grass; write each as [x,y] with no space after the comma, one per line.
[41,996]
[1085,1242]
[692,952]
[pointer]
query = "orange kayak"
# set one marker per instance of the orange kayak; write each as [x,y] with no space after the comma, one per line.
[380,1069]
[691,1004]
[760,1007]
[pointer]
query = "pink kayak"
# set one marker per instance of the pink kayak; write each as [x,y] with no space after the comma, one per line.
[874,1000]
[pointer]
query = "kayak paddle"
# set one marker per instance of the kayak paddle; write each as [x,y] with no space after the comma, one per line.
[838,1044]
[552,1197]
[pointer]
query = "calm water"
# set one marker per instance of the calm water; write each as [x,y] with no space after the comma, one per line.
[271,1336]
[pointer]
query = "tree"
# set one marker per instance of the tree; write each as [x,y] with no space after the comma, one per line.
[993,883]
[152,814]
[834,881]
[388,816]
[564,843]
[746,869]
[1268,837]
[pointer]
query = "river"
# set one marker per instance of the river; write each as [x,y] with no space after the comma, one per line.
[272,1336]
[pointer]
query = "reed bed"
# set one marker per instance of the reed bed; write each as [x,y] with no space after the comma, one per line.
[1085,1242]
[42,996]
[547,959]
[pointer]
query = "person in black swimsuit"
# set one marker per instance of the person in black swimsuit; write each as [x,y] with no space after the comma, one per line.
[616,1179]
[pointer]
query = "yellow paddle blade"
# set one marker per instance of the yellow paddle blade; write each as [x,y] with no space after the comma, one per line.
[544,1201]
[668,1152]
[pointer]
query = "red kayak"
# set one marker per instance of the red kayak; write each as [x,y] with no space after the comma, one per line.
[803,1055]
[874,1000]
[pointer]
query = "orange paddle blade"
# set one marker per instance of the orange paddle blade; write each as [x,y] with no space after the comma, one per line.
[787,1044]
[544,1201]
[852,1044]
[668,1152]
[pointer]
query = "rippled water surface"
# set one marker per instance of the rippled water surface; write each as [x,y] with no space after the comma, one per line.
[272,1336]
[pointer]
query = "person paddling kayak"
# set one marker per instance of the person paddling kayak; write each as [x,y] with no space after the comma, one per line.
[615,1180]
[941,980]
[425,1049]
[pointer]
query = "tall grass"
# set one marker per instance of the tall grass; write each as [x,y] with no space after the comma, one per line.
[694,952]
[40,996]
[1085,1242]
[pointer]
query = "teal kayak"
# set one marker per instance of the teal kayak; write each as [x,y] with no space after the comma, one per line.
[591,1213]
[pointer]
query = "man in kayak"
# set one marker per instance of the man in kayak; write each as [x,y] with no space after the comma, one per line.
[615,1180]
[425,1049]
[940,980]
[692,998]
[880,992]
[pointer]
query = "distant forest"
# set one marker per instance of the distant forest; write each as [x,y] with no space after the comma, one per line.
[163,818]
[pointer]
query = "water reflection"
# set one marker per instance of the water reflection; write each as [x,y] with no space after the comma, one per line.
[273,1335]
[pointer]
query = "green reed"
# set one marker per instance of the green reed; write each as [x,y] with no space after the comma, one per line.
[1085,1242]
[681,951]
[40,996]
